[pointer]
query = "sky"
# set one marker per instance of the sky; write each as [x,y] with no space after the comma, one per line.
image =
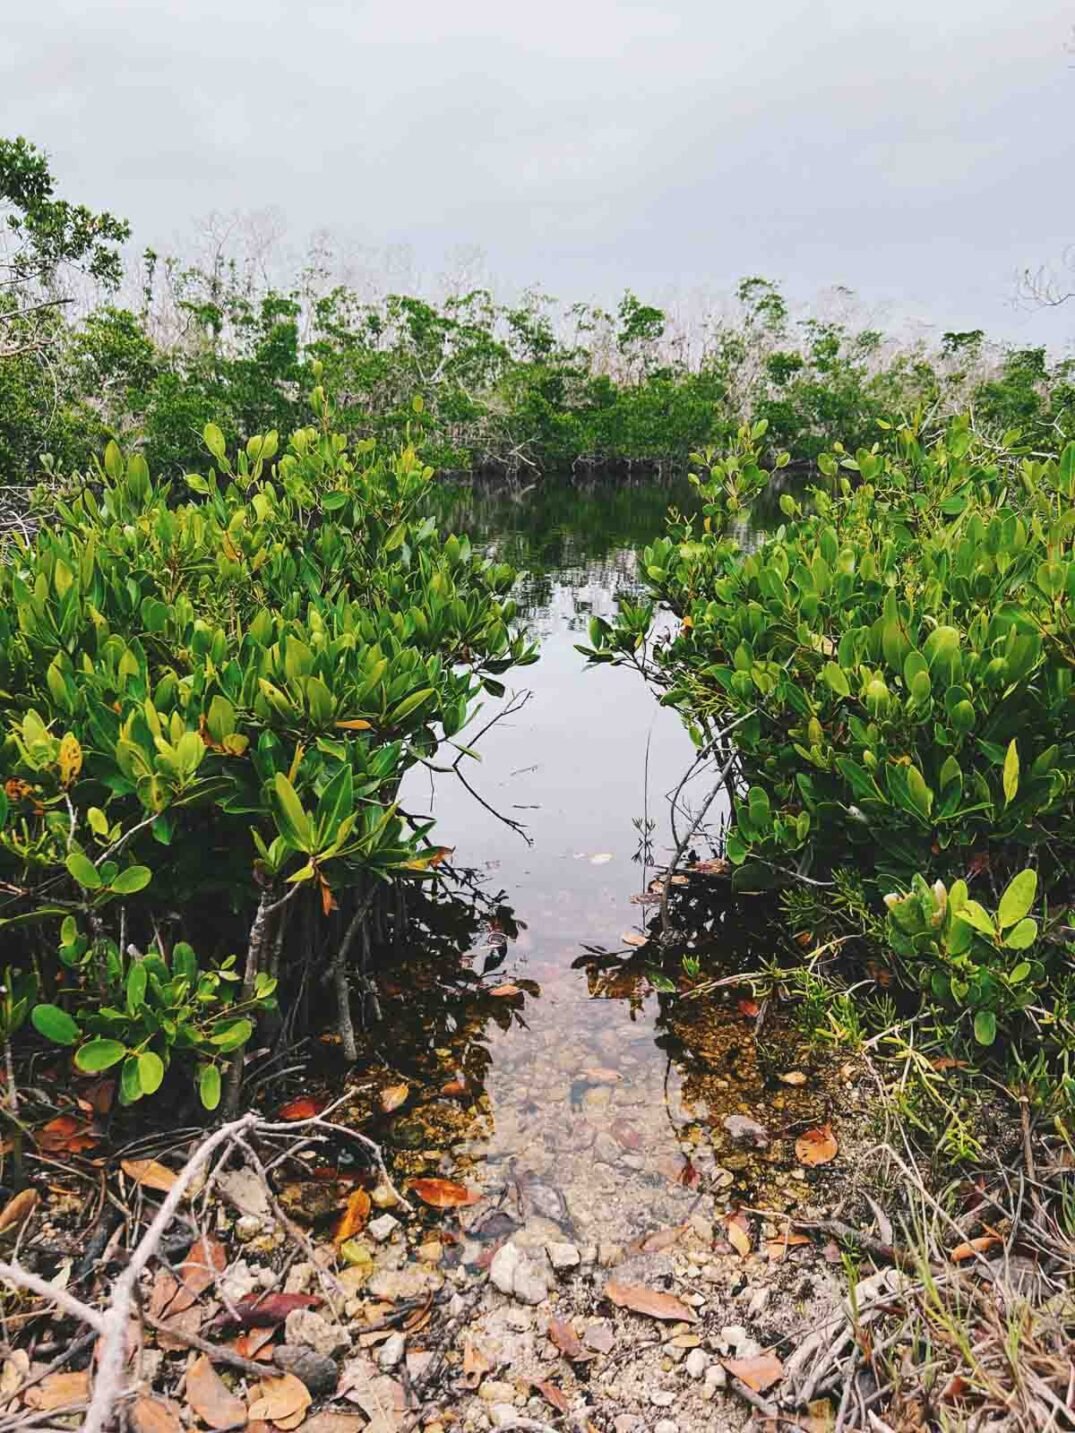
[920,155]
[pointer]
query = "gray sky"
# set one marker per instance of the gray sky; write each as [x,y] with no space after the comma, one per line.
[920,154]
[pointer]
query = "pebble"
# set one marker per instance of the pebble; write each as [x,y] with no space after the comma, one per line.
[665,1425]
[627,1423]
[662,1398]
[757,1302]
[383,1227]
[313,1330]
[495,1390]
[503,1415]
[300,1278]
[247,1227]
[319,1372]
[716,1377]
[563,1256]
[513,1273]
[697,1363]
[391,1351]
[605,1149]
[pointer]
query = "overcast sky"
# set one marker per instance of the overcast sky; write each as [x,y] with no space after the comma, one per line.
[921,154]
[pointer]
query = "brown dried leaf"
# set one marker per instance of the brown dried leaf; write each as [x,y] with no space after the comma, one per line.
[66,1135]
[443,1193]
[19,1208]
[205,1259]
[353,1219]
[651,1302]
[329,1422]
[392,1096]
[554,1396]
[279,1399]
[737,1229]
[792,1077]
[505,992]
[816,1146]
[154,1415]
[757,1373]
[255,1343]
[777,1248]
[476,1364]
[210,1397]
[149,1173]
[662,1239]
[565,1338]
[58,1390]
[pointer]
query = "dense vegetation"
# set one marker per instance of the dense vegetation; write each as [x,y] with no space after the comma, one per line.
[210,696]
[507,388]
[889,675]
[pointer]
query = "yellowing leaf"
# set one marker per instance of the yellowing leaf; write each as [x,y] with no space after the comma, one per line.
[279,1400]
[355,724]
[149,1173]
[19,1208]
[443,1193]
[392,1096]
[354,1217]
[70,759]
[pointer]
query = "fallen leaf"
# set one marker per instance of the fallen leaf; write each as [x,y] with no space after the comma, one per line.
[685,1340]
[718,867]
[504,991]
[777,1249]
[662,1239]
[264,1310]
[256,1343]
[66,1135]
[625,1134]
[19,1208]
[635,939]
[210,1397]
[476,1364]
[392,1096]
[793,1077]
[329,1422]
[458,1086]
[98,1095]
[747,1007]
[566,1340]
[205,1259]
[353,1219]
[58,1390]
[443,1193]
[305,1107]
[186,1321]
[981,1245]
[555,1397]
[757,1373]
[149,1173]
[816,1146]
[737,1228]
[652,1302]
[948,1062]
[280,1399]
[154,1415]
[600,1338]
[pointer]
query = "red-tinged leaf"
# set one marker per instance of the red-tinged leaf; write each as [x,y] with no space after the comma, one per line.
[747,1007]
[353,1218]
[210,1397]
[444,1193]
[66,1135]
[662,1239]
[504,992]
[265,1310]
[757,1373]
[651,1302]
[625,1135]
[567,1340]
[305,1107]
[205,1259]
[257,1343]
[553,1396]
[816,1146]
[458,1086]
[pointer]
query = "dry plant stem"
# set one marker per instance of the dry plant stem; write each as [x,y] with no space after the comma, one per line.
[212,1351]
[685,840]
[345,1025]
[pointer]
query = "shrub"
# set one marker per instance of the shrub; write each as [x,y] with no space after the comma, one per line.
[210,694]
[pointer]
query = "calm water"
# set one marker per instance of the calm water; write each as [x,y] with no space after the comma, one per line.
[579,1085]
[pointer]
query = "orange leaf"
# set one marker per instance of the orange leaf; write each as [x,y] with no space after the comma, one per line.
[19,1208]
[393,1096]
[737,1227]
[443,1193]
[210,1397]
[66,1135]
[566,1340]
[757,1373]
[354,724]
[353,1218]
[651,1302]
[793,1077]
[981,1245]
[816,1146]
[746,1007]
[554,1396]
[777,1248]
[149,1173]
[504,991]
[206,1258]
[458,1086]
[305,1107]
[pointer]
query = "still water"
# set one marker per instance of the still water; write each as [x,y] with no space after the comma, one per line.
[591,1083]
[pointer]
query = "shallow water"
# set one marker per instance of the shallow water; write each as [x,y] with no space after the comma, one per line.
[610,1095]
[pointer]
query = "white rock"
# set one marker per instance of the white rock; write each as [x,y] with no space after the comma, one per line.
[662,1398]
[563,1256]
[665,1425]
[503,1415]
[300,1278]
[383,1227]
[697,1363]
[757,1301]
[716,1376]
[513,1273]
[247,1227]
[239,1281]
[391,1351]
[245,1190]
[308,1327]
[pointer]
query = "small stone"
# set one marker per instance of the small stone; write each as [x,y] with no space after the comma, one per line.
[665,1425]
[513,1273]
[599,1337]
[247,1227]
[673,1355]
[716,1377]
[697,1363]
[662,1398]
[397,1285]
[495,1390]
[609,1255]
[316,1370]
[391,1351]
[627,1423]
[519,1320]
[383,1197]
[503,1415]
[238,1282]
[563,1257]
[383,1227]
[308,1327]
[267,1278]
[605,1149]
[702,1227]
[757,1302]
